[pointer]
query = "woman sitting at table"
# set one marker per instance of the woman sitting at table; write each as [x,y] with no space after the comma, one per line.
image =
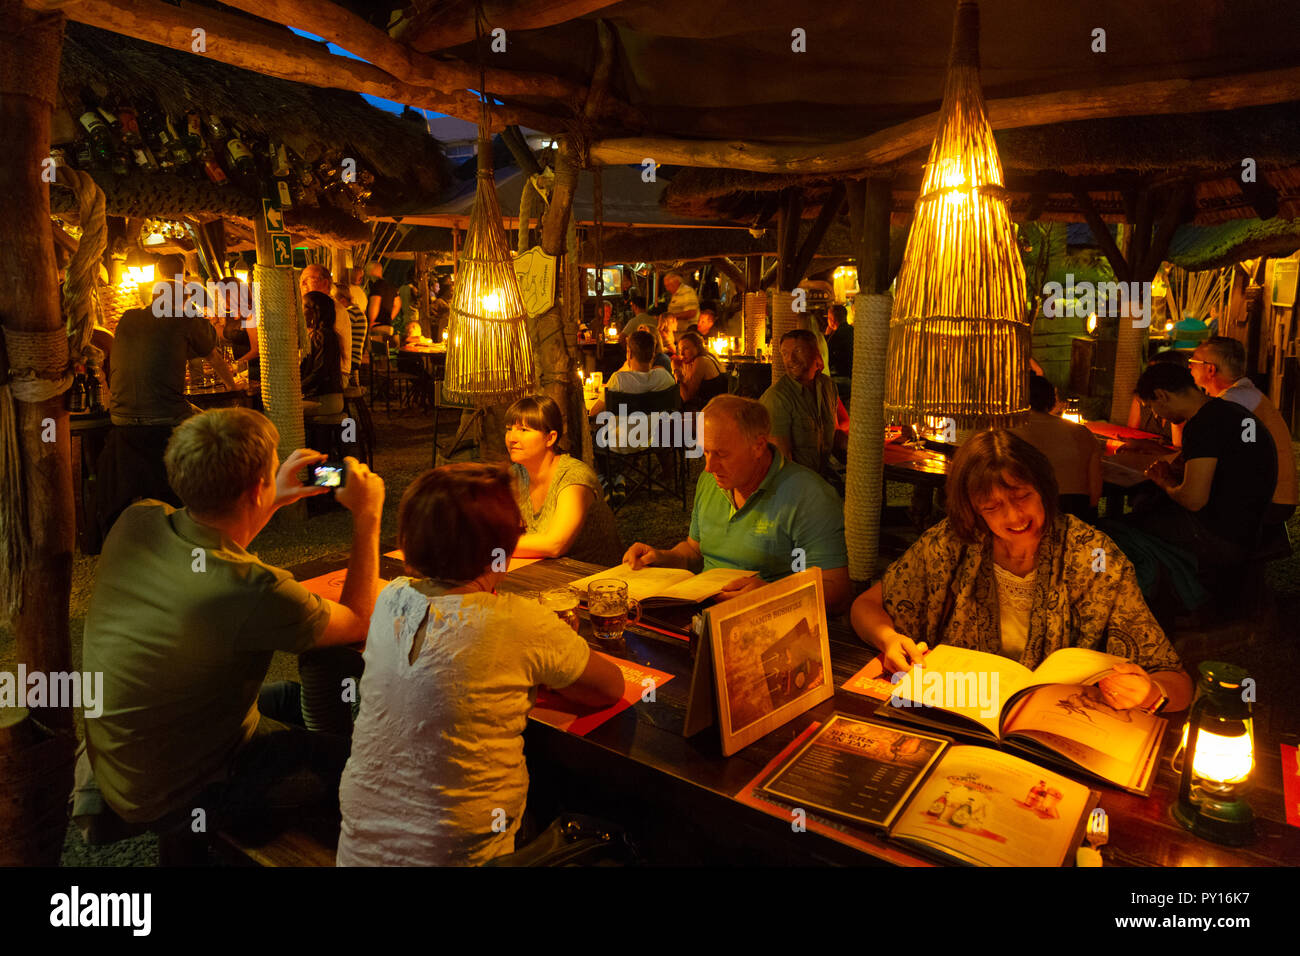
[564,508]
[321,371]
[437,776]
[668,334]
[1007,574]
[701,376]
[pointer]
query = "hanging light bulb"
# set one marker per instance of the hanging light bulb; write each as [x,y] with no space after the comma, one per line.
[490,358]
[959,335]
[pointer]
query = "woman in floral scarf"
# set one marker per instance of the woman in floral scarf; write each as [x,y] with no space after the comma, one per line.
[1007,574]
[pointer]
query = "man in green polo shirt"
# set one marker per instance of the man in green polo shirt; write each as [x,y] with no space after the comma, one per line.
[183,622]
[802,404]
[755,509]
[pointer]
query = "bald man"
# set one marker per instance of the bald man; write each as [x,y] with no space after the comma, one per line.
[756,510]
[1219,366]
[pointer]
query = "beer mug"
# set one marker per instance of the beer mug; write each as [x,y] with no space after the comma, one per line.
[610,609]
[564,602]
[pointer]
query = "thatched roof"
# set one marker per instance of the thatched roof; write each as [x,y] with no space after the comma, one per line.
[1212,247]
[407,163]
[1110,157]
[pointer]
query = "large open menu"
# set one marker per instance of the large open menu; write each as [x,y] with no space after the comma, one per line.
[1054,712]
[965,804]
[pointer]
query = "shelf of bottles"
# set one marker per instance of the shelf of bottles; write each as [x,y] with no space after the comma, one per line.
[128,136]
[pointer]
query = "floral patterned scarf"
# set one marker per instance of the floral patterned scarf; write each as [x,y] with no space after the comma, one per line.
[1085,595]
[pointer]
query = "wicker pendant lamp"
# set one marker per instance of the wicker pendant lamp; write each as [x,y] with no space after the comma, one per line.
[960,333]
[489,357]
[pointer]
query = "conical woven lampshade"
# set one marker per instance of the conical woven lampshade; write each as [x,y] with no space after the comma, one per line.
[489,357]
[959,336]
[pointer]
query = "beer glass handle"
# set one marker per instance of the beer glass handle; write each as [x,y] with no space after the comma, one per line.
[633,610]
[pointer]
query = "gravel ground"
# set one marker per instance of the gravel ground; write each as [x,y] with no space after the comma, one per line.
[405,451]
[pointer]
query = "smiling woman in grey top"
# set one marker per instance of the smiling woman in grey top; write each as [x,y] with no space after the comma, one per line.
[560,498]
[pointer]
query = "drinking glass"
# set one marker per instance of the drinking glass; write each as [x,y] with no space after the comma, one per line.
[564,602]
[610,609]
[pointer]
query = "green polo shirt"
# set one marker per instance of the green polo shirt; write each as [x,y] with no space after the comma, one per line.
[804,417]
[184,646]
[792,508]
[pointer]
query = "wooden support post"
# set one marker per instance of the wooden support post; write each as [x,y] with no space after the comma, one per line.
[829,211]
[36,749]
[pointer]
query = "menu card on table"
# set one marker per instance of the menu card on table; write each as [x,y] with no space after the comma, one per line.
[963,804]
[330,585]
[557,711]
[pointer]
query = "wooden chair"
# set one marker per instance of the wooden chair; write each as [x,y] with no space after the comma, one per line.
[644,463]
[384,375]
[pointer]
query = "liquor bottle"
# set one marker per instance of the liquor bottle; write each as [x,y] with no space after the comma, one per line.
[77,394]
[155,137]
[208,160]
[85,158]
[129,124]
[96,390]
[180,155]
[241,157]
[101,143]
[217,132]
[194,132]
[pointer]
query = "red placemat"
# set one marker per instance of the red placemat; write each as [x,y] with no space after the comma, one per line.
[563,714]
[514,565]
[1291,783]
[330,586]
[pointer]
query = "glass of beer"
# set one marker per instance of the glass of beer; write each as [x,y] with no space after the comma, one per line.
[564,602]
[610,609]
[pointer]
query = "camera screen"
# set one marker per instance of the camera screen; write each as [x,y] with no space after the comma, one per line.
[327,476]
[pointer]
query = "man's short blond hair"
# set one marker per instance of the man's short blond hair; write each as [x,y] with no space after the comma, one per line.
[750,417]
[214,458]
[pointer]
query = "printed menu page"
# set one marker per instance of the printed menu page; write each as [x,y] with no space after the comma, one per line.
[856,769]
[988,808]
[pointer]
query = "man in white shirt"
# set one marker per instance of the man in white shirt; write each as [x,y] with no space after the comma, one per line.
[1219,367]
[638,377]
[684,303]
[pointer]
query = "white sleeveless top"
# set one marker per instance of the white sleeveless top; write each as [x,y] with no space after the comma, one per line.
[1015,598]
[437,774]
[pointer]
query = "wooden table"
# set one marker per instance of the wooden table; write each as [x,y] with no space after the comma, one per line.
[640,765]
[644,764]
[217,396]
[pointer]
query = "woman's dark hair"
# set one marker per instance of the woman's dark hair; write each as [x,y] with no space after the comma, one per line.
[324,308]
[989,459]
[453,519]
[538,412]
[1042,394]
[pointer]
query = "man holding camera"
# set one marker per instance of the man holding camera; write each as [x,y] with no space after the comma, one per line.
[183,623]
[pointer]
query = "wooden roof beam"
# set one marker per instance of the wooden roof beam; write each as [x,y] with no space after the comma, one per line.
[1261,195]
[273,51]
[339,25]
[447,25]
[1154,98]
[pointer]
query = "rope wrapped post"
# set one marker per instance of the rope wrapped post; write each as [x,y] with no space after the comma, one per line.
[755,313]
[36,509]
[862,490]
[275,295]
[784,319]
[960,336]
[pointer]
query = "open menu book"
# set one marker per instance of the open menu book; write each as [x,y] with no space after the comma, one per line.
[662,586]
[967,804]
[1054,712]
